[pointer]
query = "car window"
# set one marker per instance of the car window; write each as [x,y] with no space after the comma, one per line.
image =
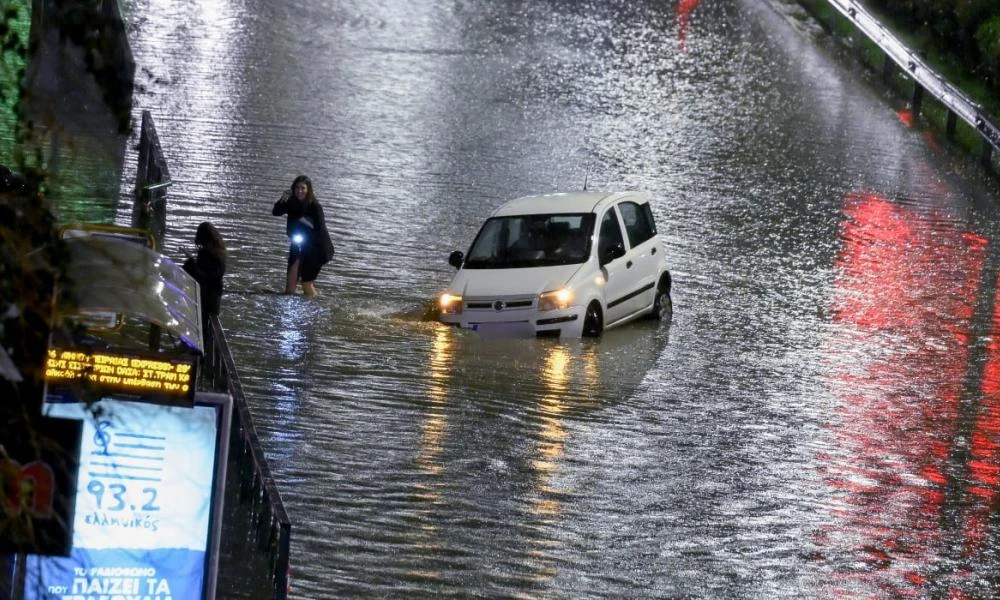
[492,239]
[524,241]
[638,222]
[611,233]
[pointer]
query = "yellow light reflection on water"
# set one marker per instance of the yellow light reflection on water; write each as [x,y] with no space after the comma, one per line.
[440,364]
[432,431]
[555,376]
[434,425]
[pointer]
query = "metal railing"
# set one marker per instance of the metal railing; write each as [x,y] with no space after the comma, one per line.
[925,78]
[255,554]
[152,178]
[256,532]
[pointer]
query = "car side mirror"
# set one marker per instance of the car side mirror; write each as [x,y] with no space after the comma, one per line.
[455,258]
[612,252]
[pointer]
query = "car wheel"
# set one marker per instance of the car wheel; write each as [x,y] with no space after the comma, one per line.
[663,306]
[593,322]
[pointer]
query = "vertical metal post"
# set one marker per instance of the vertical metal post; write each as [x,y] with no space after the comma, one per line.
[20,575]
[283,558]
[142,169]
[917,101]
[949,128]
[888,67]
[141,194]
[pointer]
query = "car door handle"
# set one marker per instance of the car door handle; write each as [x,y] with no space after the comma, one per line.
[653,251]
[628,265]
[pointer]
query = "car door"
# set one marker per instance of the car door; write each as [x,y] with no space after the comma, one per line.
[643,253]
[618,272]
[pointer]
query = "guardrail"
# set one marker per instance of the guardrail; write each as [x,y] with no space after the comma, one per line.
[925,78]
[151,180]
[256,532]
[254,558]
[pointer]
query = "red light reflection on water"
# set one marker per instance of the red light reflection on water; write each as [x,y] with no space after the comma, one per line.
[906,290]
[684,10]
[906,117]
[984,452]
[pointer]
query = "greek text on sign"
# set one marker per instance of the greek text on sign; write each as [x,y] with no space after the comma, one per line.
[132,374]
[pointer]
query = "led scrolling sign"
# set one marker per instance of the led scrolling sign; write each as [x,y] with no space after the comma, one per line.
[171,380]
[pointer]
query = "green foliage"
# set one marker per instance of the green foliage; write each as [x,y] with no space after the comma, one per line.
[26,265]
[988,39]
[32,257]
[13,50]
[957,29]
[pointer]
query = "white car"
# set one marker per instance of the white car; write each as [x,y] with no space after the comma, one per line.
[567,264]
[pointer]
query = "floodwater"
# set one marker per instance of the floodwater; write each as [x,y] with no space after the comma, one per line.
[820,420]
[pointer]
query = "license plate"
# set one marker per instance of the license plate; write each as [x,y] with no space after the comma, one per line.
[513,329]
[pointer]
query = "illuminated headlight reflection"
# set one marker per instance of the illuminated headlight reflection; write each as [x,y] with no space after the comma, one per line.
[555,299]
[450,303]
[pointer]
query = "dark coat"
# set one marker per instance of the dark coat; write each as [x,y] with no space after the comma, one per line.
[309,220]
[207,268]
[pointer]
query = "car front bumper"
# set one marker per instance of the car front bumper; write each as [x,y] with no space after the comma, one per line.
[566,322]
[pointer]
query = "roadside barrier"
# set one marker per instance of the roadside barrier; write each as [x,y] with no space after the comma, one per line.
[256,532]
[151,180]
[254,558]
[925,79]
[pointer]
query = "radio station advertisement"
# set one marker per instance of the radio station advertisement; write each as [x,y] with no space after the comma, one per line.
[143,505]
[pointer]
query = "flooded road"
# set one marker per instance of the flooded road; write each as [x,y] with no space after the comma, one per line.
[821,419]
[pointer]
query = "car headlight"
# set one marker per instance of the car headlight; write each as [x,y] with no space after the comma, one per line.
[555,299]
[450,303]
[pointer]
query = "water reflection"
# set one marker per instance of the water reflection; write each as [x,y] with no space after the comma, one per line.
[292,343]
[899,378]
[425,536]
[555,377]
[418,460]
[684,10]
[434,424]
[979,539]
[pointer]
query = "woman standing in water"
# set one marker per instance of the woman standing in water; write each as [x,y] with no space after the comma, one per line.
[207,267]
[310,247]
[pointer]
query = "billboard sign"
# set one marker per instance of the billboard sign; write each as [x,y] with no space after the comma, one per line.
[150,490]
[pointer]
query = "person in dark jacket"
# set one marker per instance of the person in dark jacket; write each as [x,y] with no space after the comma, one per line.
[207,267]
[310,247]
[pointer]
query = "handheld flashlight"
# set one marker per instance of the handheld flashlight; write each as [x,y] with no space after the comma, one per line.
[298,238]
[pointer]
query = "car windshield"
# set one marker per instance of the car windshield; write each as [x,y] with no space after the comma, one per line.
[532,241]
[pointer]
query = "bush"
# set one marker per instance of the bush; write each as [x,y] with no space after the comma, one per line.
[962,35]
[988,41]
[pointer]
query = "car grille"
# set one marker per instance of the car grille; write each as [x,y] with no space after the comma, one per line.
[499,304]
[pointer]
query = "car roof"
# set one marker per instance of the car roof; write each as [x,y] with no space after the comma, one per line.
[563,202]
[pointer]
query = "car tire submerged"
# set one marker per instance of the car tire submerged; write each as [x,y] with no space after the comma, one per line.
[663,306]
[593,321]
